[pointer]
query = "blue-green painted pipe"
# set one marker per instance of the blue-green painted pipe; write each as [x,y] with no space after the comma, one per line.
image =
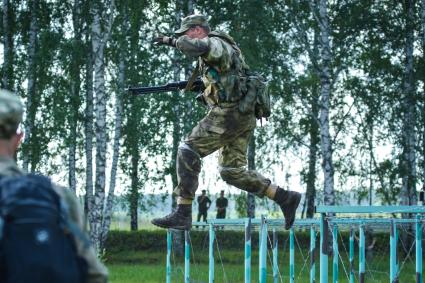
[291,256]
[186,257]
[393,253]
[248,250]
[418,249]
[168,268]
[263,251]
[323,249]
[362,255]
[335,254]
[370,209]
[211,253]
[351,255]
[275,258]
[312,255]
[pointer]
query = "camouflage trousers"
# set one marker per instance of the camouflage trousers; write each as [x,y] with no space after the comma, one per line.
[229,131]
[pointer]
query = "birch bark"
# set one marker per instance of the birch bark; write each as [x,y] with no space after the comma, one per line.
[250,201]
[423,93]
[31,90]
[75,94]
[100,32]
[89,131]
[118,127]
[408,163]
[7,79]
[325,92]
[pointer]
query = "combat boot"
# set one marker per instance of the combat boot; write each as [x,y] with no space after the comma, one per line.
[180,219]
[288,202]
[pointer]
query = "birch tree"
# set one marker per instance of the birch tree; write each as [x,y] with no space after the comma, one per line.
[408,158]
[122,65]
[100,31]
[75,84]
[8,50]
[31,86]
[250,201]
[423,90]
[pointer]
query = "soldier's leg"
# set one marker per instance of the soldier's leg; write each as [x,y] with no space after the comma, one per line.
[233,171]
[202,141]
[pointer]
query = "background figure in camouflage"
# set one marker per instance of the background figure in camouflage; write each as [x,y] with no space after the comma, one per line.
[225,128]
[11,111]
[204,204]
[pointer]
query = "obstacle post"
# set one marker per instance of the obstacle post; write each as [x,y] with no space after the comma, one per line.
[323,248]
[263,251]
[393,252]
[275,258]
[211,254]
[248,250]
[362,255]
[291,256]
[312,254]
[186,257]
[418,249]
[168,266]
[351,255]
[335,253]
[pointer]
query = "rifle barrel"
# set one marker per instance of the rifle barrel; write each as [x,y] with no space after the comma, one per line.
[171,86]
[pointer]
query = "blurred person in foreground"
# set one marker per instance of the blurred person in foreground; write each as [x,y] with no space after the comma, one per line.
[41,224]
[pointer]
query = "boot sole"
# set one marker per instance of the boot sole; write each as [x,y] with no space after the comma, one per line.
[171,227]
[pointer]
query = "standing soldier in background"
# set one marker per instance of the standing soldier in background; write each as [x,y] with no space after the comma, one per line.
[227,127]
[221,203]
[204,204]
[43,250]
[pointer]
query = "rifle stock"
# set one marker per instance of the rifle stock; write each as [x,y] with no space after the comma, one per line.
[197,86]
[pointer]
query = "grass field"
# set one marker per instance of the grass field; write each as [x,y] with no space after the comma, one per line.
[147,267]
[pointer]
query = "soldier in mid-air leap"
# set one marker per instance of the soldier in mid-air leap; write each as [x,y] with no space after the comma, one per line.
[227,127]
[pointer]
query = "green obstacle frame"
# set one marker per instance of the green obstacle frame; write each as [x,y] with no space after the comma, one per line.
[327,219]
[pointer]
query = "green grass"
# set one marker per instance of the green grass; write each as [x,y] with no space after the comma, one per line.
[147,267]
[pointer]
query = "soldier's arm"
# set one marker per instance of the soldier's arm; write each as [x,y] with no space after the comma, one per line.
[211,49]
[97,272]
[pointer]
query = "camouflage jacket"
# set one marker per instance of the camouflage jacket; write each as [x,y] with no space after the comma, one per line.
[97,272]
[220,63]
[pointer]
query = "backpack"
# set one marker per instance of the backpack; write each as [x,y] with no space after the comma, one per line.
[253,85]
[36,237]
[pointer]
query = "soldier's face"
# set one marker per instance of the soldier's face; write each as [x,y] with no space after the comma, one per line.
[196,32]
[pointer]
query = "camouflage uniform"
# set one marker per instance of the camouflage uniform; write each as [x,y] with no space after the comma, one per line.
[224,128]
[10,117]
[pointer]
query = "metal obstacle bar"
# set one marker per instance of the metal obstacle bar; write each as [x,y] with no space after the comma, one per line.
[323,223]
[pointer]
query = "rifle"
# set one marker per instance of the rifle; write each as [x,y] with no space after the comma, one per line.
[197,86]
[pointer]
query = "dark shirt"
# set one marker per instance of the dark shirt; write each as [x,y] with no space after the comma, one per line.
[222,202]
[204,203]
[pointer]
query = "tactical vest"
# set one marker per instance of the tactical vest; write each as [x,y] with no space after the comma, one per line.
[224,86]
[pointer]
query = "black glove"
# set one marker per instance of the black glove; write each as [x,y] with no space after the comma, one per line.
[164,40]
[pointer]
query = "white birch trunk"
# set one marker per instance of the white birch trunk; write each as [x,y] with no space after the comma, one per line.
[325,92]
[7,79]
[423,94]
[99,39]
[30,117]
[250,198]
[75,93]
[117,132]
[408,168]
[89,133]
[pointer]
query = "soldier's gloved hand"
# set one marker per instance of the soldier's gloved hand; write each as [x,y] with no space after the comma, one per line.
[164,40]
